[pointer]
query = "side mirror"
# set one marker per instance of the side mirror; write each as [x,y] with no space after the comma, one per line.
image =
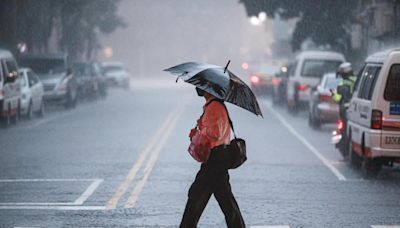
[344,90]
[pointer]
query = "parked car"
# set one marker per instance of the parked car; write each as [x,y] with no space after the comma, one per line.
[10,89]
[90,79]
[308,69]
[279,84]
[322,108]
[116,74]
[32,93]
[373,127]
[58,80]
[261,79]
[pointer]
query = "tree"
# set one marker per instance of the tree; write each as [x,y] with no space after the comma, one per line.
[82,21]
[326,22]
[79,21]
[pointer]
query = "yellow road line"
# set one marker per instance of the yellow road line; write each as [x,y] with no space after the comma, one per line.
[151,162]
[112,203]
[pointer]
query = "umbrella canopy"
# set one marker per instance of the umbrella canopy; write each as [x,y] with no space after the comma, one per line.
[219,82]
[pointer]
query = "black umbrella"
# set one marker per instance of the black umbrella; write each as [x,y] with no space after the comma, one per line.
[219,82]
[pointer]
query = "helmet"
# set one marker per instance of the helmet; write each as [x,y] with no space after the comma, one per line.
[345,69]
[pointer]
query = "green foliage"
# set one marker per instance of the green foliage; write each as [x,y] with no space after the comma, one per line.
[77,22]
[83,20]
[326,22]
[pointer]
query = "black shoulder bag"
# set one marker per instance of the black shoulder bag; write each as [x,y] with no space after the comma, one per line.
[237,147]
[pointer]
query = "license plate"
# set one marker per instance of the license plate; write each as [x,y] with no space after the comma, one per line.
[394,108]
[392,140]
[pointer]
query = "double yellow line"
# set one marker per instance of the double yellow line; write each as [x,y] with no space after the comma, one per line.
[151,153]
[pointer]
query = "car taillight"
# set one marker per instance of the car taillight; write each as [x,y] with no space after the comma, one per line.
[340,125]
[276,81]
[376,119]
[325,98]
[302,87]
[255,79]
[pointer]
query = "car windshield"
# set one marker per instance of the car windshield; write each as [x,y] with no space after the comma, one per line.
[22,78]
[108,69]
[44,66]
[331,83]
[81,69]
[317,68]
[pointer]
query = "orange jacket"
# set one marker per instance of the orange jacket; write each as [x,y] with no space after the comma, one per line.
[214,125]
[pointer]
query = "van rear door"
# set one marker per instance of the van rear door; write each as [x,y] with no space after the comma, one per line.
[391,113]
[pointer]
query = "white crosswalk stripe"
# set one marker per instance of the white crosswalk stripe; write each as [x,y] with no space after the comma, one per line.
[277,226]
[385,226]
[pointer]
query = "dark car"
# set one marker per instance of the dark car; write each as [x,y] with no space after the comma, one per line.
[91,81]
[58,80]
[279,83]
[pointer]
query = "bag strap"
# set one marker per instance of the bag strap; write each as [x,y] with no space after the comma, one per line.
[227,112]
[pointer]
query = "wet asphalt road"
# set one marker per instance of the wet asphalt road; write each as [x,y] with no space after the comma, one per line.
[122,162]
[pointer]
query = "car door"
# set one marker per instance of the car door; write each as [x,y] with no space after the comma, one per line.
[33,86]
[360,109]
[390,106]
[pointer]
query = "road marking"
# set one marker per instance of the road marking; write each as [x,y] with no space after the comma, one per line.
[284,226]
[60,208]
[81,200]
[152,160]
[123,187]
[89,191]
[325,161]
[390,226]
[47,180]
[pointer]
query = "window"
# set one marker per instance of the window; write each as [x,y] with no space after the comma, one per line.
[11,68]
[292,69]
[23,80]
[392,90]
[358,80]
[317,68]
[368,81]
[331,82]
[1,72]
[31,78]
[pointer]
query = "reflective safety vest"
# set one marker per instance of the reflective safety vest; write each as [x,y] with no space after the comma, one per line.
[350,82]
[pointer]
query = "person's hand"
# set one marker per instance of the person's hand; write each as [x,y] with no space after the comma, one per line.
[199,123]
[192,133]
[332,92]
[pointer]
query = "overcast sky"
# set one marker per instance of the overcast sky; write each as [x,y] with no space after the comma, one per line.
[162,33]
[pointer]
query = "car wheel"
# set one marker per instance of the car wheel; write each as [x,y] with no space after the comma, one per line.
[15,118]
[371,167]
[70,101]
[41,111]
[354,158]
[6,121]
[29,114]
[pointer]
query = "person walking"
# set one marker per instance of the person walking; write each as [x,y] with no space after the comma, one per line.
[213,177]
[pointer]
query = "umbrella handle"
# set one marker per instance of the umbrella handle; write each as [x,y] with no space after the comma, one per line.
[226,67]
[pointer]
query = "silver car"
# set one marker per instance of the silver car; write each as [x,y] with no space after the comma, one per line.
[32,93]
[322,107]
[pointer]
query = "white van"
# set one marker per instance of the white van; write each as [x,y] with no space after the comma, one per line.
[374,113]
[10,88]
[306,72]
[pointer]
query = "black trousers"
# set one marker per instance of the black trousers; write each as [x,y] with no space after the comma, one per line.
[213,178]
